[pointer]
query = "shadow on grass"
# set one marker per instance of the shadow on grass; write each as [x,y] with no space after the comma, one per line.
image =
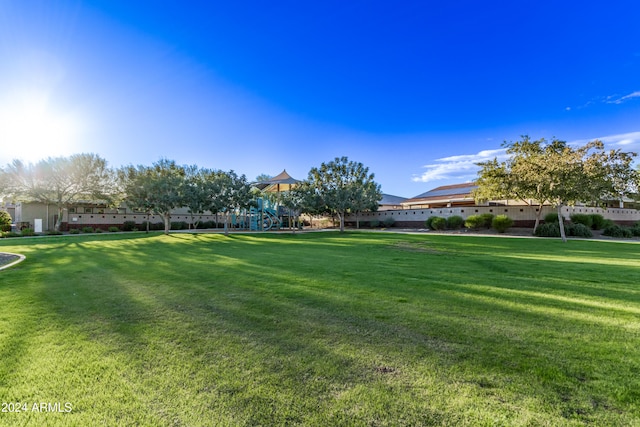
[246,319]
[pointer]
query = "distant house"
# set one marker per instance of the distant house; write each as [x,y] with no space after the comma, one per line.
[390,202]
[446,196]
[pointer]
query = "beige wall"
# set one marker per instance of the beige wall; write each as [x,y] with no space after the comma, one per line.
[522,214]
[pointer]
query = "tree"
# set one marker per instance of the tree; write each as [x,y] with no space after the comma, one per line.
[61,181]
[195,191]
[226,192]
[157,189]
[263,177]
[553,172]
[339,187]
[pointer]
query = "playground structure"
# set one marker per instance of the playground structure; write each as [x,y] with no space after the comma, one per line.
[264,216]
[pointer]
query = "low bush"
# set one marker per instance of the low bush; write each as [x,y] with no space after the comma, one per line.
[388,222]
[5,227]
[635,230]
[455,222]
[551,217]
[584,219]
[548,229]
[87,229]
[99,230]
[578,230]
[501,223]
[488,219]
[113,229]
[206,224]
[374,223]
[572,230]
[597,221]
[617,231]
[27,232]
[74,231]
[53,232]
[438,223]
[128,225]
[179,225]
[474,222]
[9,234]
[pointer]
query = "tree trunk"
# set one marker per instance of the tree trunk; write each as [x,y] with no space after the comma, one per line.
[538,215]
[167,222]
[58,223]
[341,218]
[148,219]
[561,223]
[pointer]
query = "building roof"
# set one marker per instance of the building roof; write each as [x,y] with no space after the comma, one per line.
[281,182]
[457,192]
[388,199]
[449,190]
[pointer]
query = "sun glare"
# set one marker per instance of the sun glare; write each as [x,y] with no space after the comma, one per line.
[31,129]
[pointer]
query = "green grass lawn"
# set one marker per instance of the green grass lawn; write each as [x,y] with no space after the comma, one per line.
[320,329]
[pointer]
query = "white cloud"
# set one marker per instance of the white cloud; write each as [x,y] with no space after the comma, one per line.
[620,100]
[460,168]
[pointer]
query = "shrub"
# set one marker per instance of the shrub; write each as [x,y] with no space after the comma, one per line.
[206,224]
[455,222]
[487,219]
[617,231]
[502,223]
[474,222]
[10,234]
[388,222]
[427,222]
[113,229]
[578,230]
[551,217]
[53,232]
[584,219]
[374,223]
[438,223]
[128,225]
[27,232]
[553,230]
[87,229]
[179,225]
[99,230]
[548,229]
[5,221]
[74,231]
[635,230]
[597,221]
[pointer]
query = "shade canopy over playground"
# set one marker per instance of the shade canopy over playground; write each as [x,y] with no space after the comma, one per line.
[281,182]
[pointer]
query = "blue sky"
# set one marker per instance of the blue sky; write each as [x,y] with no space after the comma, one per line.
[418,91]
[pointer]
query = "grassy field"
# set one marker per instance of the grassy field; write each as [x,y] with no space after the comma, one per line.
[319,329]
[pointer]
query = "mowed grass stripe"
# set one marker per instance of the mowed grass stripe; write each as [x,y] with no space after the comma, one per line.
[321,329]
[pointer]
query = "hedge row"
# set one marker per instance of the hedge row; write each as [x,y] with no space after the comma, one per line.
[500,223]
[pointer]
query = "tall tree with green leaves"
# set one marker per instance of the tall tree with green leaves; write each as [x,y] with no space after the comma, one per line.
[340,187]
[226,193]
[541,172]
[61,181]
[157,189]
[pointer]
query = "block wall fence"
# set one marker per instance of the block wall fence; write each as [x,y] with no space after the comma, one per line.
[523,216]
